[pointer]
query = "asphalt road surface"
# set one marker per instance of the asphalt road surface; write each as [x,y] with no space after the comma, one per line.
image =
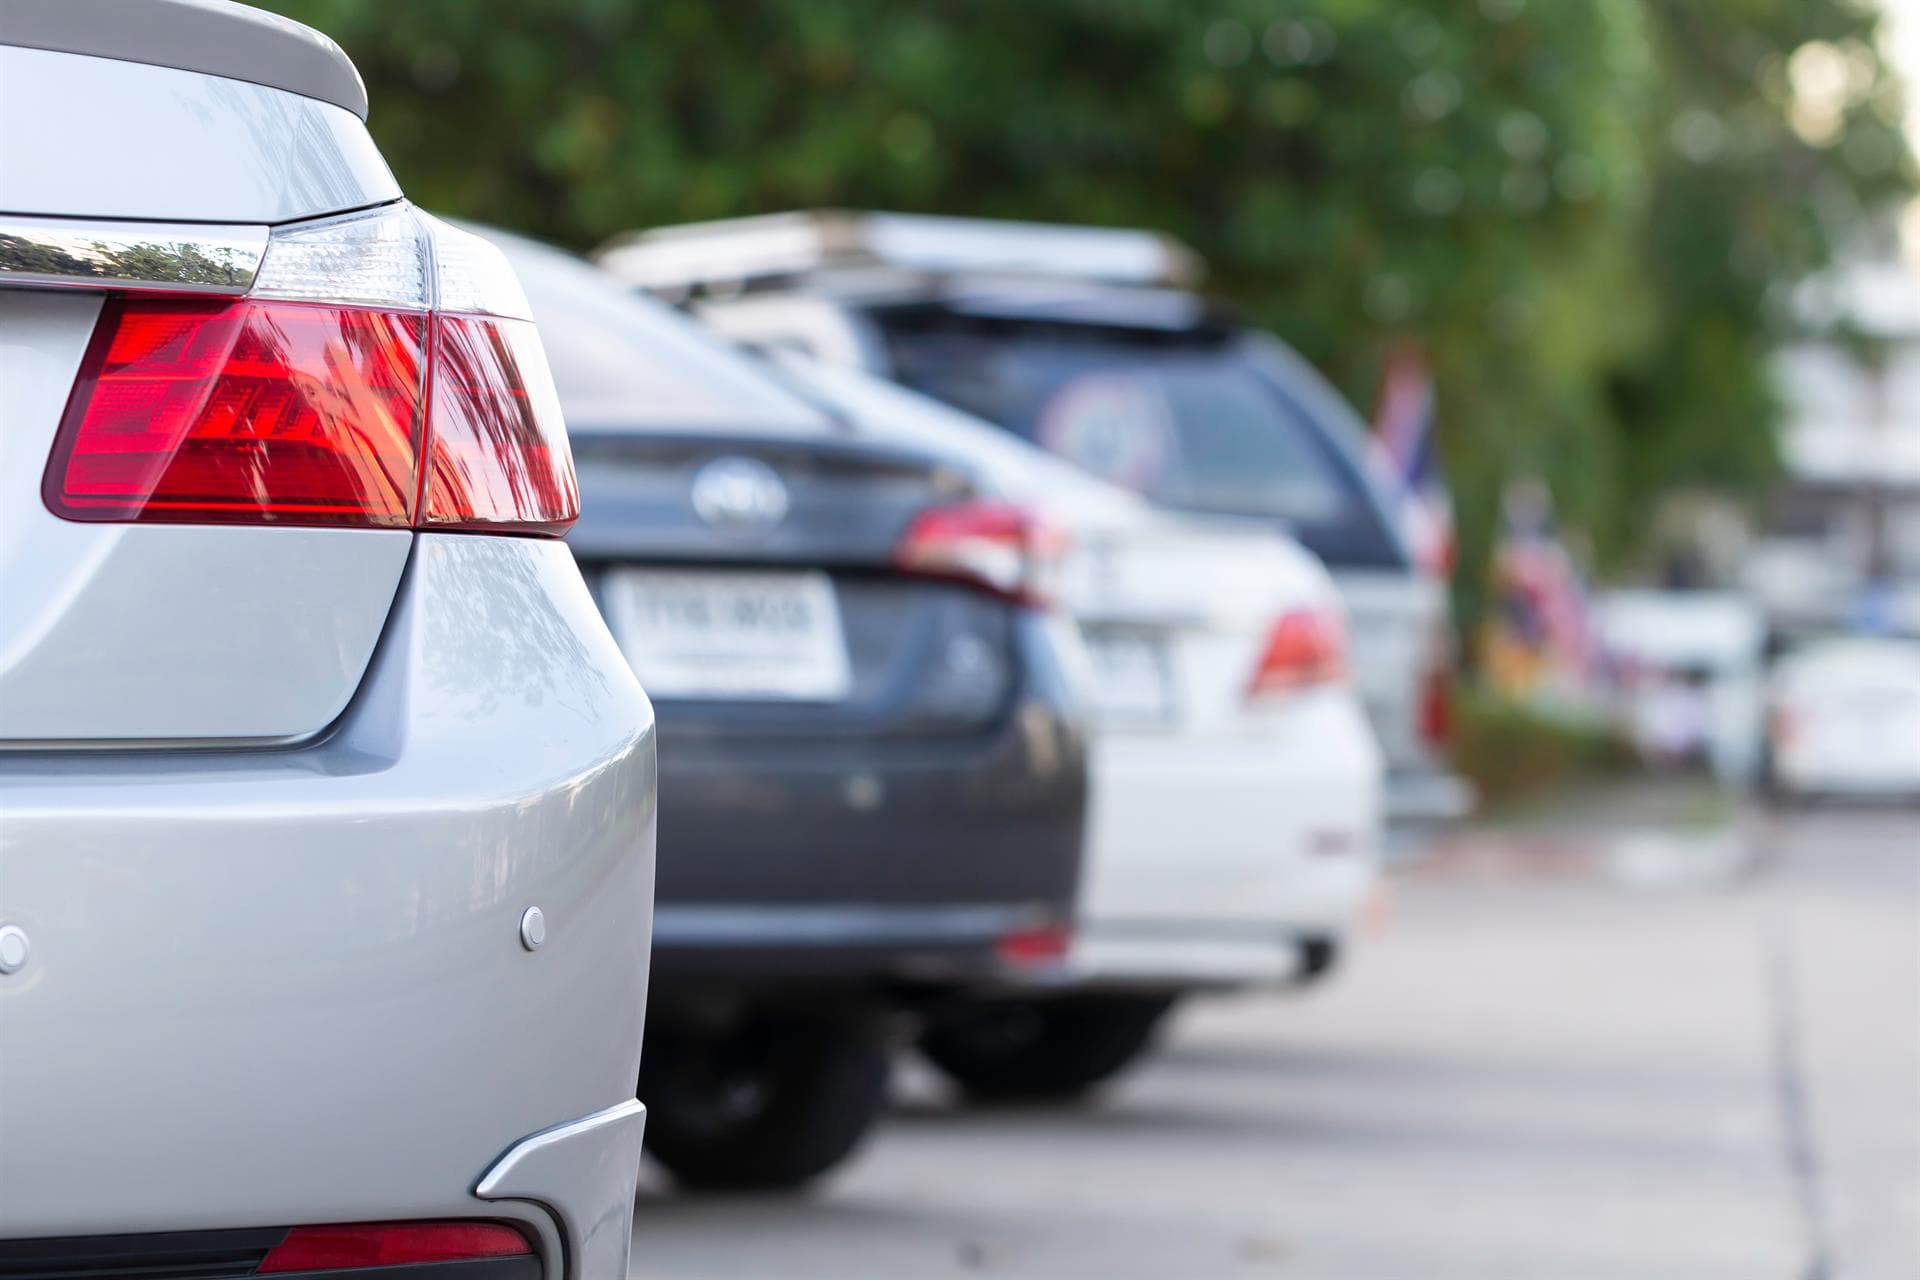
[1632,1042]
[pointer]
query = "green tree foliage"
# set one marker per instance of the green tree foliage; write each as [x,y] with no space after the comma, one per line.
[1585,210]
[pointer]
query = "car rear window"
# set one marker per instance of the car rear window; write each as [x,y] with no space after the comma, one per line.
[621,360]
[1187,419]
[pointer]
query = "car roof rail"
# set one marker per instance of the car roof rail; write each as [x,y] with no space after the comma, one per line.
[741,255]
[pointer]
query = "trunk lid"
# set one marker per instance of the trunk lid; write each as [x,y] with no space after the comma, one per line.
[1176,613]
[132,634]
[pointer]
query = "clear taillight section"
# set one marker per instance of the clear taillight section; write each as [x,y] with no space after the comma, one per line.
[1306,647]
[1004,549]
[343,389]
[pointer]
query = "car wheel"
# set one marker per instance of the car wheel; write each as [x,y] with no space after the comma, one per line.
[1319,958]
[1043,1050]
[769,1104]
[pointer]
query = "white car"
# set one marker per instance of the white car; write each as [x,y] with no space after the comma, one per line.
[1846,719]
[1235,818]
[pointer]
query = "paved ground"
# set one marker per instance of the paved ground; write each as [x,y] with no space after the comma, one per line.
[1655,1043]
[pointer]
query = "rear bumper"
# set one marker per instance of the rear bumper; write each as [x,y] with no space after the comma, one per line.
[781,946]
[289,987]
[1427,797]
[1845,784]
[1190,957]
[1212,860]
[1853,769]
[869,858]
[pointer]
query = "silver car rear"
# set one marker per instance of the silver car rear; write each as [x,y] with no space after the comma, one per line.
[326,812]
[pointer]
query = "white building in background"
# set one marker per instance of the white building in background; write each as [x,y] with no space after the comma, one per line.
[1850,514]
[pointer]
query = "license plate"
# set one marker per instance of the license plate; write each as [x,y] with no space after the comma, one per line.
[1133,678]
[729,635]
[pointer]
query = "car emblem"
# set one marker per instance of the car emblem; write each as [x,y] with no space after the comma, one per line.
[741,497]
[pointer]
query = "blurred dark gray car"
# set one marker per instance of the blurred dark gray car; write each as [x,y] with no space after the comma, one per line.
[872,772]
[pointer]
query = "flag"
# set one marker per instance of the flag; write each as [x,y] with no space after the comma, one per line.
[1406,452]
[1540,598]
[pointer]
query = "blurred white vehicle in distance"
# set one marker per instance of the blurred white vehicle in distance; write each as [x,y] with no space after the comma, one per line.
[1092,343]
[1234,831]
[1691,667]
[1845,720]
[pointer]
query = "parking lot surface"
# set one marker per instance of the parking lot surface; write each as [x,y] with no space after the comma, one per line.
[1622,1045]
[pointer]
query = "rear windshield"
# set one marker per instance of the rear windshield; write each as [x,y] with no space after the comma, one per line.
[1189,420]
[623,361]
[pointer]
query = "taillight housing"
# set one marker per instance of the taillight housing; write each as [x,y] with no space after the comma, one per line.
[1305,648]
[1436,707]
[1787,726]
[382,371]
[1004,549]
[350,1246]
[1436,686]
[1037,947]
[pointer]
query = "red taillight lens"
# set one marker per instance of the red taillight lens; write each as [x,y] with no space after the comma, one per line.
[1306,647]
[387,1244]
[244,412]
[256,412]
[1788,727]
[1436,707]
[1005,549]
[495,454]
[1030,948]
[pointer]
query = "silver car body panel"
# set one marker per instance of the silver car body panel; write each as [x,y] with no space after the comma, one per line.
[162,633]
[205,149]
[308,961]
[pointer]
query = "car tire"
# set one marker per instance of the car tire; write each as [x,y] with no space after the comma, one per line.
[768,1104]
[1043,1050]
[1319,960]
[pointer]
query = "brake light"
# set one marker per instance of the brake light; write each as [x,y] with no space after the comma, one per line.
[1041,945]
[496,453]
[1788,727]
[344,389]
[388,1244]
[1306,647]
[1436,707]
[1004,549]
[243,411]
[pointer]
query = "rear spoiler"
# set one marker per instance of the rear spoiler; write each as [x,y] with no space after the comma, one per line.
[214,37]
